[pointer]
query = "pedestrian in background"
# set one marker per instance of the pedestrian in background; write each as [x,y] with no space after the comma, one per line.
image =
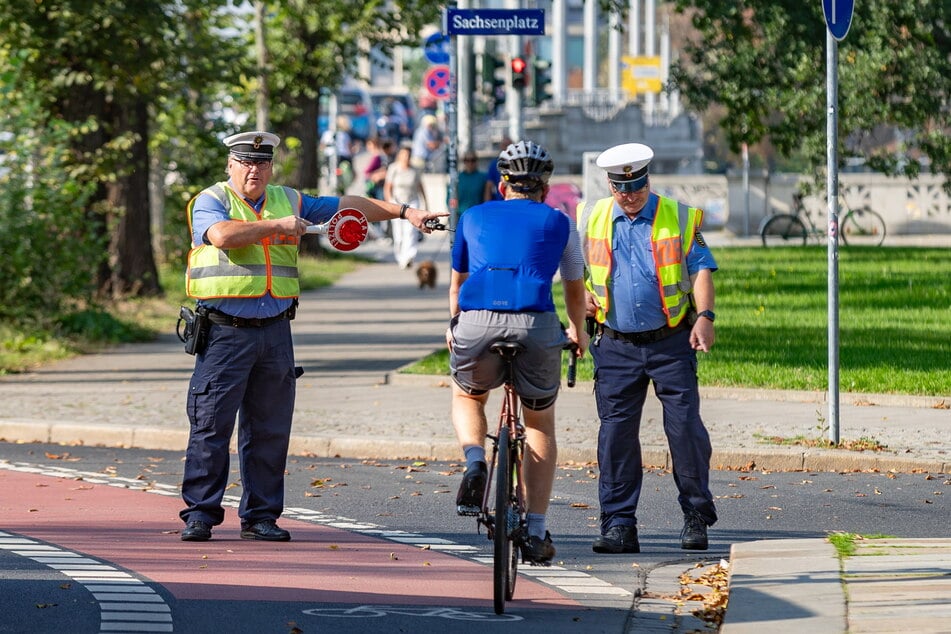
[427,140]
[471,182]
[242,269]
[404,185]
[650,282]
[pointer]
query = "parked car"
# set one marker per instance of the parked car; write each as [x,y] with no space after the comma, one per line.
[387,124]
[354,102]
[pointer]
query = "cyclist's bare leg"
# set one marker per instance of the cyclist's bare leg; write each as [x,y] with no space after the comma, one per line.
[541,456]
[468,417]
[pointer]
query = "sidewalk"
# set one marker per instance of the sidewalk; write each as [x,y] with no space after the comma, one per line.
[351,401]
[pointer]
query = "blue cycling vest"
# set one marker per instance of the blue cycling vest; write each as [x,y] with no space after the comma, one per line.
[511,250]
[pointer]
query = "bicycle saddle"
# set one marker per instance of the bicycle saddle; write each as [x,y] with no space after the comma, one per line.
[507,349]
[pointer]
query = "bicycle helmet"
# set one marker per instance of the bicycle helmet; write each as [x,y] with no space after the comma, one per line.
[525,161]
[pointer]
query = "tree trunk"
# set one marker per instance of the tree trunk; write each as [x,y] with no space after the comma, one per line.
[305,175]
[132,270]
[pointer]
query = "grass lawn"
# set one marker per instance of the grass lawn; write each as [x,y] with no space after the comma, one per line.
[90,329]
[772,321]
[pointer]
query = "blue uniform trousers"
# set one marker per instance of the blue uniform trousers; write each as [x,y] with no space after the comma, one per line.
[246,373]
[623,371]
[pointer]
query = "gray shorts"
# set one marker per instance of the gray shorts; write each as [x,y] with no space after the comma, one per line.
[476,369]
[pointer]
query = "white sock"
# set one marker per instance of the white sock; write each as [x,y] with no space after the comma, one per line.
[536,525]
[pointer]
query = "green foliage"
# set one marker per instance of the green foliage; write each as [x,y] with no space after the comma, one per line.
[764,61]
[49,245]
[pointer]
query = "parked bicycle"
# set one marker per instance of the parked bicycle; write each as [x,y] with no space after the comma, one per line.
[503,511]
[857,226]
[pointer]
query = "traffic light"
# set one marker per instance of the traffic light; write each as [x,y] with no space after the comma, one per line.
[491,82]
[541,81]
[518,73]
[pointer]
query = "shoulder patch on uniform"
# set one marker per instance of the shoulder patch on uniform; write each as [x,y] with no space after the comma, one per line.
[698,237]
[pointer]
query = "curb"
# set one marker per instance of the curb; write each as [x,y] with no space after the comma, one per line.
[382,448]
[859,399]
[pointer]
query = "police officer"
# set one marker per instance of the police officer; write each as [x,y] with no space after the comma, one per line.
[650,283]
[242,269]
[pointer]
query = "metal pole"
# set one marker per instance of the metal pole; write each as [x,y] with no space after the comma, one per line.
[453,202]
[832,187]
[746,189]
[513,96]
[466,70]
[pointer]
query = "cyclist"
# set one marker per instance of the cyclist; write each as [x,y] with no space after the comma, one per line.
[504,259]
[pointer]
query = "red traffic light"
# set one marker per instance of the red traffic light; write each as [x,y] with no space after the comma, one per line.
[518,73]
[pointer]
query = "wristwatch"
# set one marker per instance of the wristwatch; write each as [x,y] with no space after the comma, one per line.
[708,314]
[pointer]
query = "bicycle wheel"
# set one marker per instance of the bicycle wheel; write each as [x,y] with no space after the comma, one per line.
[863,227]
[515,525]
[503,560]
[784,230]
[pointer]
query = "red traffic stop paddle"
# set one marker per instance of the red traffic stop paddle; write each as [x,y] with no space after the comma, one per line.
[345,231]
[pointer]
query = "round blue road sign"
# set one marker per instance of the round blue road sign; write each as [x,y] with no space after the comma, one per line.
[838,14]
[436,48]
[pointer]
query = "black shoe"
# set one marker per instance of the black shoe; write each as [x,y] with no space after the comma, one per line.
[196,531]
[266,530]
[694,534]
[618,539]
[472,490]
[537,551]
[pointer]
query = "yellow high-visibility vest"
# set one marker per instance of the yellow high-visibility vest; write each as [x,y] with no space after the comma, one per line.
[673,231]
[253,270]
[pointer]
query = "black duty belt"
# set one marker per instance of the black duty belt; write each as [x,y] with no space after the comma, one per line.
[243,322]
[647,336]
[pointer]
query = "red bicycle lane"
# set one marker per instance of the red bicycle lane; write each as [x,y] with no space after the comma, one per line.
[138,531]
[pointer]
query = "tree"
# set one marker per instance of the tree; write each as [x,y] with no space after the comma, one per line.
[763,61]
[316,43]
[101,67]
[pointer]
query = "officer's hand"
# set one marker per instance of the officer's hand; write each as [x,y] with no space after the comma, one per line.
[292,226]
[591,305]
[702,335]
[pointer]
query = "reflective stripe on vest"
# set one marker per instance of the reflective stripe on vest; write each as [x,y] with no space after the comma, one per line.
[669,245]
[253,270]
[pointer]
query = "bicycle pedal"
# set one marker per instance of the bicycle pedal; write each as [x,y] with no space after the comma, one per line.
[467,511]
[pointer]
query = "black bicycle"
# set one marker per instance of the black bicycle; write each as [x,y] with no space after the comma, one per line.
[858,226]
[503,510]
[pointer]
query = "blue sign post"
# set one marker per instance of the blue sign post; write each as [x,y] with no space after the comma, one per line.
[838,15]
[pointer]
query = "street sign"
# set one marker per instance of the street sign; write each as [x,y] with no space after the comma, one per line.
[494,21]
[436,81]
[838,15]
[436,48]
[641,75]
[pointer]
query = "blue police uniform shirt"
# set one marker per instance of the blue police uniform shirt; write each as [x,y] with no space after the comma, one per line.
[497,243]
[208,210]
[635,295]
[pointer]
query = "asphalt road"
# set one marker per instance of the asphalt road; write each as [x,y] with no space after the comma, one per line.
[383,533]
